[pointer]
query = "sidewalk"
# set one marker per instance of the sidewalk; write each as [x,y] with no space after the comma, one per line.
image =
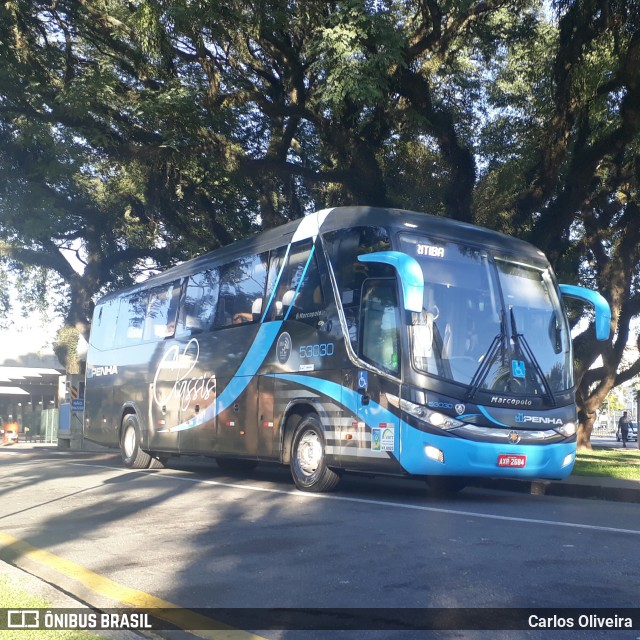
[591,487]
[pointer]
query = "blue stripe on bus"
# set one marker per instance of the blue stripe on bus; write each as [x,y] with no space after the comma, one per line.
[487,415]
[247,370]
[462,457]
[259,349]
[372,414]
[254,359]
[252,362]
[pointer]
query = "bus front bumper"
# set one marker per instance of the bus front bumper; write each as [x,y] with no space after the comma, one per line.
[429,454]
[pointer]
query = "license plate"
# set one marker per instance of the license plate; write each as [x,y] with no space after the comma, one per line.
[510,460]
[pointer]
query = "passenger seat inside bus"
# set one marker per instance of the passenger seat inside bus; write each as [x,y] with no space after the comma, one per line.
[288,300]
[193,325]
[256,309]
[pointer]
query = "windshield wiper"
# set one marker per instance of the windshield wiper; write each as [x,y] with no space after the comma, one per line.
[522,346]
[497,344]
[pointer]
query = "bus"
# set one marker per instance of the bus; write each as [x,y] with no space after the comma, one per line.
[356,339]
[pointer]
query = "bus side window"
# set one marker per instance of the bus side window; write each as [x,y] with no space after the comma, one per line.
[296,300]
[161,313]
[131,318]
[380,332]
[103,326]
[285,296]
[199,305]
[242,284]
[310,305]
[276,260]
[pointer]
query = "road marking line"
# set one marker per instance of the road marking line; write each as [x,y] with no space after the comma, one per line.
[371,501]
[12,549]
[397,505]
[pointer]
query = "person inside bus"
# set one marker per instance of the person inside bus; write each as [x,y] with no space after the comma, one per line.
[241,318]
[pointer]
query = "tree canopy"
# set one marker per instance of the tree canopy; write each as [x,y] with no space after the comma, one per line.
[136,134]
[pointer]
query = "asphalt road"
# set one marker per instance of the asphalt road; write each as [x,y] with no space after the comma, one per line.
[197,537]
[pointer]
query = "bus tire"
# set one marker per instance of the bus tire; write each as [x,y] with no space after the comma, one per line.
[308,459]
[132,455]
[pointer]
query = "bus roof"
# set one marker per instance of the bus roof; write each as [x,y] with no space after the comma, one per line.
[341,218]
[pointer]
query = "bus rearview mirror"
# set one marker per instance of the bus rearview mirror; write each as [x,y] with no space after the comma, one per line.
[601,306]
[410,272]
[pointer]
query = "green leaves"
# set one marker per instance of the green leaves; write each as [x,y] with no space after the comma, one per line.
[356,55]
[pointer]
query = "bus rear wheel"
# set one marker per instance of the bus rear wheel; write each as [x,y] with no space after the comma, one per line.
[308,460]
[132,455]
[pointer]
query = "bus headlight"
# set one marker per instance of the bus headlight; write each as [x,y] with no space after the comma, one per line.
[434,418]
[568,429]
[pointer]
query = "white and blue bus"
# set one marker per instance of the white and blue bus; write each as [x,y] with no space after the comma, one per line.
[355,339]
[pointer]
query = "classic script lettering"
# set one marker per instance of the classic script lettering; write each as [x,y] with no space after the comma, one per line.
[174,377]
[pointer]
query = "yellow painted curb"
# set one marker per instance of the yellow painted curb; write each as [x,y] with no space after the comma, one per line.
[12,549]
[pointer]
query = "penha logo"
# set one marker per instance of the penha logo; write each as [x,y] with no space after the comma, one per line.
[522,419]
[109,370]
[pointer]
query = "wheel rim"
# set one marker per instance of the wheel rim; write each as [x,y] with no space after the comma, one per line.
[309,453]
[129,442]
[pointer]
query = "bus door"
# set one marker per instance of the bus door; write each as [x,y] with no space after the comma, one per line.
[374,437]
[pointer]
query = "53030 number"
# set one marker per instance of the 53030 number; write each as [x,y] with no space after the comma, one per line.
[316,350]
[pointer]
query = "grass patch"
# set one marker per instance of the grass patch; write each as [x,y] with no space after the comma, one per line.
[610,463]
[13,596]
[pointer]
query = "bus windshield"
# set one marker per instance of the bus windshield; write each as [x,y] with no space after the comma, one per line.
[491,323]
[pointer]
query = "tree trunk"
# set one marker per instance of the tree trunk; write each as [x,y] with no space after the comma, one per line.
[585,427]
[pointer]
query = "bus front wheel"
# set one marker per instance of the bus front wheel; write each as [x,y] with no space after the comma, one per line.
[308,460]
[132,455]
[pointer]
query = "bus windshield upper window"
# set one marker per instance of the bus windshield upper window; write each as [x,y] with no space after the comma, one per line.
[529,295]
